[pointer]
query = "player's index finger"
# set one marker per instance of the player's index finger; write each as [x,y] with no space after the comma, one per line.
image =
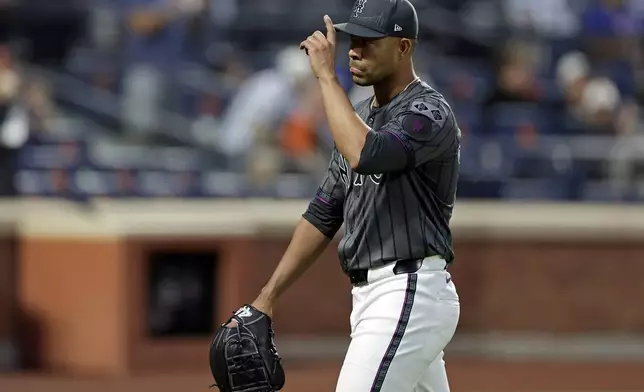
[330,29]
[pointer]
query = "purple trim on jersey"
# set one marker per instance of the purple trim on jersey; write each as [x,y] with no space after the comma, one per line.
[326,199]
[323,201]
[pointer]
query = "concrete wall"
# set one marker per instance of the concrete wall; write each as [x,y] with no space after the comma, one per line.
[520,268]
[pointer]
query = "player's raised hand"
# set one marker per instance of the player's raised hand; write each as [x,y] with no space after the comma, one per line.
[321,51]
[330,31]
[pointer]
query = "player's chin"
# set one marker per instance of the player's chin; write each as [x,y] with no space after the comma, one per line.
[361,81]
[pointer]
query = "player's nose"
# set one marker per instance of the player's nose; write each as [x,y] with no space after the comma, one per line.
[355,53]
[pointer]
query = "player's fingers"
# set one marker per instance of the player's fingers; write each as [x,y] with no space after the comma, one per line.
[330,29]
[304,45]
[312,44]
[232,324]
[320,38]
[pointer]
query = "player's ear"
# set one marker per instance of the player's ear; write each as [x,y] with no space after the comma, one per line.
[405,47]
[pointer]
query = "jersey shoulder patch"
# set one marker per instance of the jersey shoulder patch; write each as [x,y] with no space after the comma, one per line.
[431,110]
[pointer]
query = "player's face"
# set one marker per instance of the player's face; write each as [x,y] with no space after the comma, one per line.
[372,60]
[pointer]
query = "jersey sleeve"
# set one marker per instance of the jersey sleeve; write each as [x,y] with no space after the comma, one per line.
[425,131]
[326,210]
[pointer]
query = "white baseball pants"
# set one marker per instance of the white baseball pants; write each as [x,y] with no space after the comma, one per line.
[400,325]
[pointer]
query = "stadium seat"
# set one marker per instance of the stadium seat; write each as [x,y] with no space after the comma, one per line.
[469,117]
[508,117]
[450,74]
[621,73]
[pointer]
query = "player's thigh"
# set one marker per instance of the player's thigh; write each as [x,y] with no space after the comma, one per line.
[435,377]
[397,335]
[364,367]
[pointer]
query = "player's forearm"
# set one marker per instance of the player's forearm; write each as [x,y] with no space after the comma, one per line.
[347,128]
[306,246]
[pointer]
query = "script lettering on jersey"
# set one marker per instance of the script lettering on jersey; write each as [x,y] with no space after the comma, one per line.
[358,179]
[344,171]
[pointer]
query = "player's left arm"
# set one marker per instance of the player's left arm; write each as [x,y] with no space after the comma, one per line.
[425,131]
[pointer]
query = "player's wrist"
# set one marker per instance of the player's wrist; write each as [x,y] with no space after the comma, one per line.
[267,296]
[264,304]
[329,78]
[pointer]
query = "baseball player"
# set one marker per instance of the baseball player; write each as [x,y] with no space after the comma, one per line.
[392,182]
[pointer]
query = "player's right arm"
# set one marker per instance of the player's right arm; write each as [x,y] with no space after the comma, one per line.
[318,225]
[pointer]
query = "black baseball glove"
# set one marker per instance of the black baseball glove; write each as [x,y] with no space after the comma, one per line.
[243,358]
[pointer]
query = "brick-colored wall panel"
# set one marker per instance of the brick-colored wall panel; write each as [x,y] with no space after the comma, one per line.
[504,286]
[71,301]
[7,287]
[557,287]
[563,287]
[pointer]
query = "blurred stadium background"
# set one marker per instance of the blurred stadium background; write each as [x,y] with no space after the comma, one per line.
[155,155]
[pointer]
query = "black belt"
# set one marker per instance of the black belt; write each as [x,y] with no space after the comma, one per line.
[359,277]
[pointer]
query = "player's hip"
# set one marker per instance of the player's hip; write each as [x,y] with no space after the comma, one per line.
[428,285]
[385,270]
[429,290]
[361,259]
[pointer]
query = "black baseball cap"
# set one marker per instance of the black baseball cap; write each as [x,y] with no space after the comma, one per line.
[381,18]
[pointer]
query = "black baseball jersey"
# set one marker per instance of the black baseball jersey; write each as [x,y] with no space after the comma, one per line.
[397,203]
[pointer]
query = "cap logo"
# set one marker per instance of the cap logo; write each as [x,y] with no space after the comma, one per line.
[358,7]
[397,28]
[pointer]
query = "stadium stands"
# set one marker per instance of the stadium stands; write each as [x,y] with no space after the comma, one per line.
[544,113]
